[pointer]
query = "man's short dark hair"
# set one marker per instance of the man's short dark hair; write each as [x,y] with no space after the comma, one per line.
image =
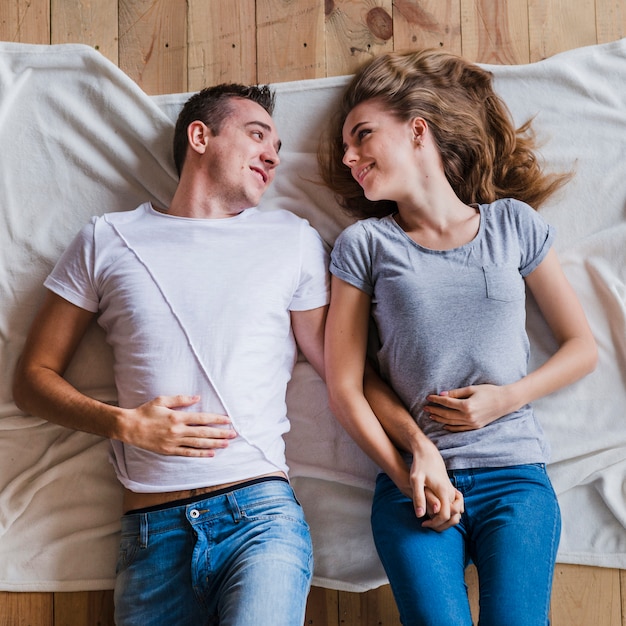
[212,106]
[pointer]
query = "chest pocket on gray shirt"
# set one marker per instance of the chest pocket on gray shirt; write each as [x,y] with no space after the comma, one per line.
[504,284]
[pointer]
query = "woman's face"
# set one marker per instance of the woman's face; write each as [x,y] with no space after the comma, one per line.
[380,151]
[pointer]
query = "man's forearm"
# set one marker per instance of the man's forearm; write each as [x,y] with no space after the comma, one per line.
[44,393]
[392,414]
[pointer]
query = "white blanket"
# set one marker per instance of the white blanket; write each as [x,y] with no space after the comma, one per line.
[78,138]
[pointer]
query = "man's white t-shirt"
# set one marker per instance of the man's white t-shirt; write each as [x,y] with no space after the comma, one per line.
[199,307]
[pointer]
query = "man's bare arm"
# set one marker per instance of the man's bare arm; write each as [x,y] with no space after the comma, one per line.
[308,329]
[159,425]
[432,491]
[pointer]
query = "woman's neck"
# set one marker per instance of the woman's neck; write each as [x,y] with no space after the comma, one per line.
[442,226]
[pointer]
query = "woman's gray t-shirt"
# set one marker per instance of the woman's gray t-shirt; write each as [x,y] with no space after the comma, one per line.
[451,318]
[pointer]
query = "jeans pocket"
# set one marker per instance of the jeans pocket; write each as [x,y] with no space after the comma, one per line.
[127,553]
[276,508]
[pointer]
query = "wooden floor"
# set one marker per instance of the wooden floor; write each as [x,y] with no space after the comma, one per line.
[174,46]
[583,596]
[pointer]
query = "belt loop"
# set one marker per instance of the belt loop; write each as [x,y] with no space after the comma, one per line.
[143,530]
[234,507]
[453,478]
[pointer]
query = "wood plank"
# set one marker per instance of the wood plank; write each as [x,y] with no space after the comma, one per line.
[370,608]
[495,32]
[25,21]
[586,595]
[26,609]
[153,44]
[610,20]
[84,608]
[290,40]
[222,43]
[580,596]
[378,606]
[322,607]
[356,30]
[83,21]
[471,580]
[556,26]
[427,24]
[622,575]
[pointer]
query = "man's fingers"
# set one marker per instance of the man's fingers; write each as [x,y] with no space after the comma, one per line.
[175,402]
[443,508]
[207,419]
[440,524]
[207,433]
[449,513]
[419,498]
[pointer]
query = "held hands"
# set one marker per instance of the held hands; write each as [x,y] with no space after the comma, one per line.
[443,513]
[469,408]
[433,494]
[162,426]
[463,409]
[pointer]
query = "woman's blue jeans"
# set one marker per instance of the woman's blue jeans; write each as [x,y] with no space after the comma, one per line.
[510,530]
[236,559]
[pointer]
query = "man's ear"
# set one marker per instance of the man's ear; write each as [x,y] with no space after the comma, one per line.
[198,134]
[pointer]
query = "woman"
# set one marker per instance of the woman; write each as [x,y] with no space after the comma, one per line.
[426,154]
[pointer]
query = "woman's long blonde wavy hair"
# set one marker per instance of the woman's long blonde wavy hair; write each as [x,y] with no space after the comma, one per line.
[484,156]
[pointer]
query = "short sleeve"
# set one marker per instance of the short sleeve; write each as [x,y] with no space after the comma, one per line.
[351,258]
[536,237]
[72,276]
[313,289]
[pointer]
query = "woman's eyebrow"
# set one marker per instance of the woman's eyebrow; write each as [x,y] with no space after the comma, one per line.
[356,127]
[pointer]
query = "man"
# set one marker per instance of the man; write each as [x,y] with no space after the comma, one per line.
[201,304]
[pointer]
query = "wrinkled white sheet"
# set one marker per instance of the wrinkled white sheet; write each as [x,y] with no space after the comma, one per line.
[79,138]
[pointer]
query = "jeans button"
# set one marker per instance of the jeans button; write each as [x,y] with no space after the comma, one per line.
[194,513]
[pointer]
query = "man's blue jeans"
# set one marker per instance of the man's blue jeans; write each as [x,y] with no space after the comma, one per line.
[510,530]
[241,558]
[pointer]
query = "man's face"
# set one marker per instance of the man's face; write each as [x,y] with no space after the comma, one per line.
[241,160]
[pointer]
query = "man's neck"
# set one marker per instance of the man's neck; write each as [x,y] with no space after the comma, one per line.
[201,206]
